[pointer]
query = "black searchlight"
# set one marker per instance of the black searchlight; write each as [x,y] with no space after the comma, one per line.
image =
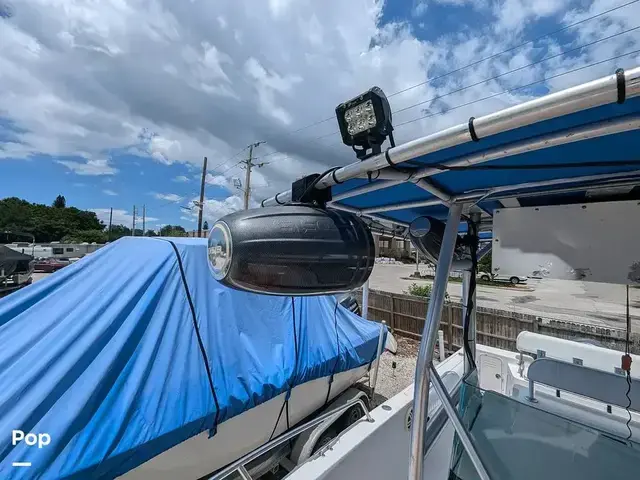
[365,122]
[291,250]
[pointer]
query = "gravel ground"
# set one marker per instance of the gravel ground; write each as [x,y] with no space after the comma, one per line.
[392,381]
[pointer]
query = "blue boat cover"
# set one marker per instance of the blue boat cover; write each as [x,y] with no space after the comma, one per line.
[105,358]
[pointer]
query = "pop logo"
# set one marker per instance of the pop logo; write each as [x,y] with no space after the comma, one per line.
[31,439]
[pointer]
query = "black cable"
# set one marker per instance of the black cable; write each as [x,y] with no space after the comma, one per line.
[626,351]
[484,59]
[629,404]
[313,184]
[292,381]
[515,89]
[198,336]
[500,75]
[473,247]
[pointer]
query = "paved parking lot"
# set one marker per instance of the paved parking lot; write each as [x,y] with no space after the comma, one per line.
[587,302]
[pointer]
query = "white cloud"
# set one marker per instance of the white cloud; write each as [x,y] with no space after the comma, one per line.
[169,197]
[109,192]
[90,167]
[152,77]
[181,179]
[419,8]
[120,217]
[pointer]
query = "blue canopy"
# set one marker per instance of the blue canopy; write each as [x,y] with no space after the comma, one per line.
[598,156]
[136,348]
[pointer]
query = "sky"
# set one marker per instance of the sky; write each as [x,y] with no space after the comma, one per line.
[114,103]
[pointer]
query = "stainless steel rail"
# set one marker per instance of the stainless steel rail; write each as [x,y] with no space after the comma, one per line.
[427,345]
[239,464]
[575,99]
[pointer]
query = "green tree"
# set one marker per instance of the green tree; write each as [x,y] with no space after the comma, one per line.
[118,231]
[173,231]
[45,223]
[484,265]
[60,202]
[151,233]
[206,225]
[89,236]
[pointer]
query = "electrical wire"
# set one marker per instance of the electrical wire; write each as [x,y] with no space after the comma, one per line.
[484,59]
[495,77]
[626,352]
[291,382]
[509,90]
[213,169]
[473,247]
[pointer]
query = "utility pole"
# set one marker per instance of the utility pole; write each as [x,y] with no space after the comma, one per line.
[133,226]
[247,179]
[144,215]
[201,206]
[110,220]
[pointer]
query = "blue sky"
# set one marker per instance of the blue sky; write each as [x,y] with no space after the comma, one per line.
[113,104]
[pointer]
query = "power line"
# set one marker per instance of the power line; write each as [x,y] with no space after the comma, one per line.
[540,37]
[235,155]
[484,59]
[466,87]
[520,87]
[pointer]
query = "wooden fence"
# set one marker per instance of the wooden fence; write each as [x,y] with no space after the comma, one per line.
[405,316]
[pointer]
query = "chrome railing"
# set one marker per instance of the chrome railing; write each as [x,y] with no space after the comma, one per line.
[239,465]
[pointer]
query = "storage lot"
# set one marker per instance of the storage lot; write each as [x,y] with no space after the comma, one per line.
[584,302]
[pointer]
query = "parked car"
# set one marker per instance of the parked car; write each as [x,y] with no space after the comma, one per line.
[49,265]
[512,279]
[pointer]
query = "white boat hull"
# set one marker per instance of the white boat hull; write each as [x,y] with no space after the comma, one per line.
[201,455]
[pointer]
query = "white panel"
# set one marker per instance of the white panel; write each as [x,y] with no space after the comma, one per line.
[597,242]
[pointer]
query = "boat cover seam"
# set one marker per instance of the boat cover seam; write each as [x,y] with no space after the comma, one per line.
[198,336]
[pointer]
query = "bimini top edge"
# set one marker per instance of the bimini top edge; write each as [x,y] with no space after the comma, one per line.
[563,144]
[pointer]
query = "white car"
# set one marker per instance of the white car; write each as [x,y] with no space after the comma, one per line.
[512,279]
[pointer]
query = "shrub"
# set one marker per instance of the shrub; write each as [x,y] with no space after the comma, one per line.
[422,291]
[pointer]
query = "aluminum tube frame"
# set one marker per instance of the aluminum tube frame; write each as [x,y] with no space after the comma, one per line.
[427,344]
[365,300]
[357,211]
[232,467]
[435,191]
[374,380]
[461,430]
[600,129]
[581,97]
[491,193]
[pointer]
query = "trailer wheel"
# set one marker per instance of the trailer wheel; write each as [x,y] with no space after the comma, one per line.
[324,439]
[352,415]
